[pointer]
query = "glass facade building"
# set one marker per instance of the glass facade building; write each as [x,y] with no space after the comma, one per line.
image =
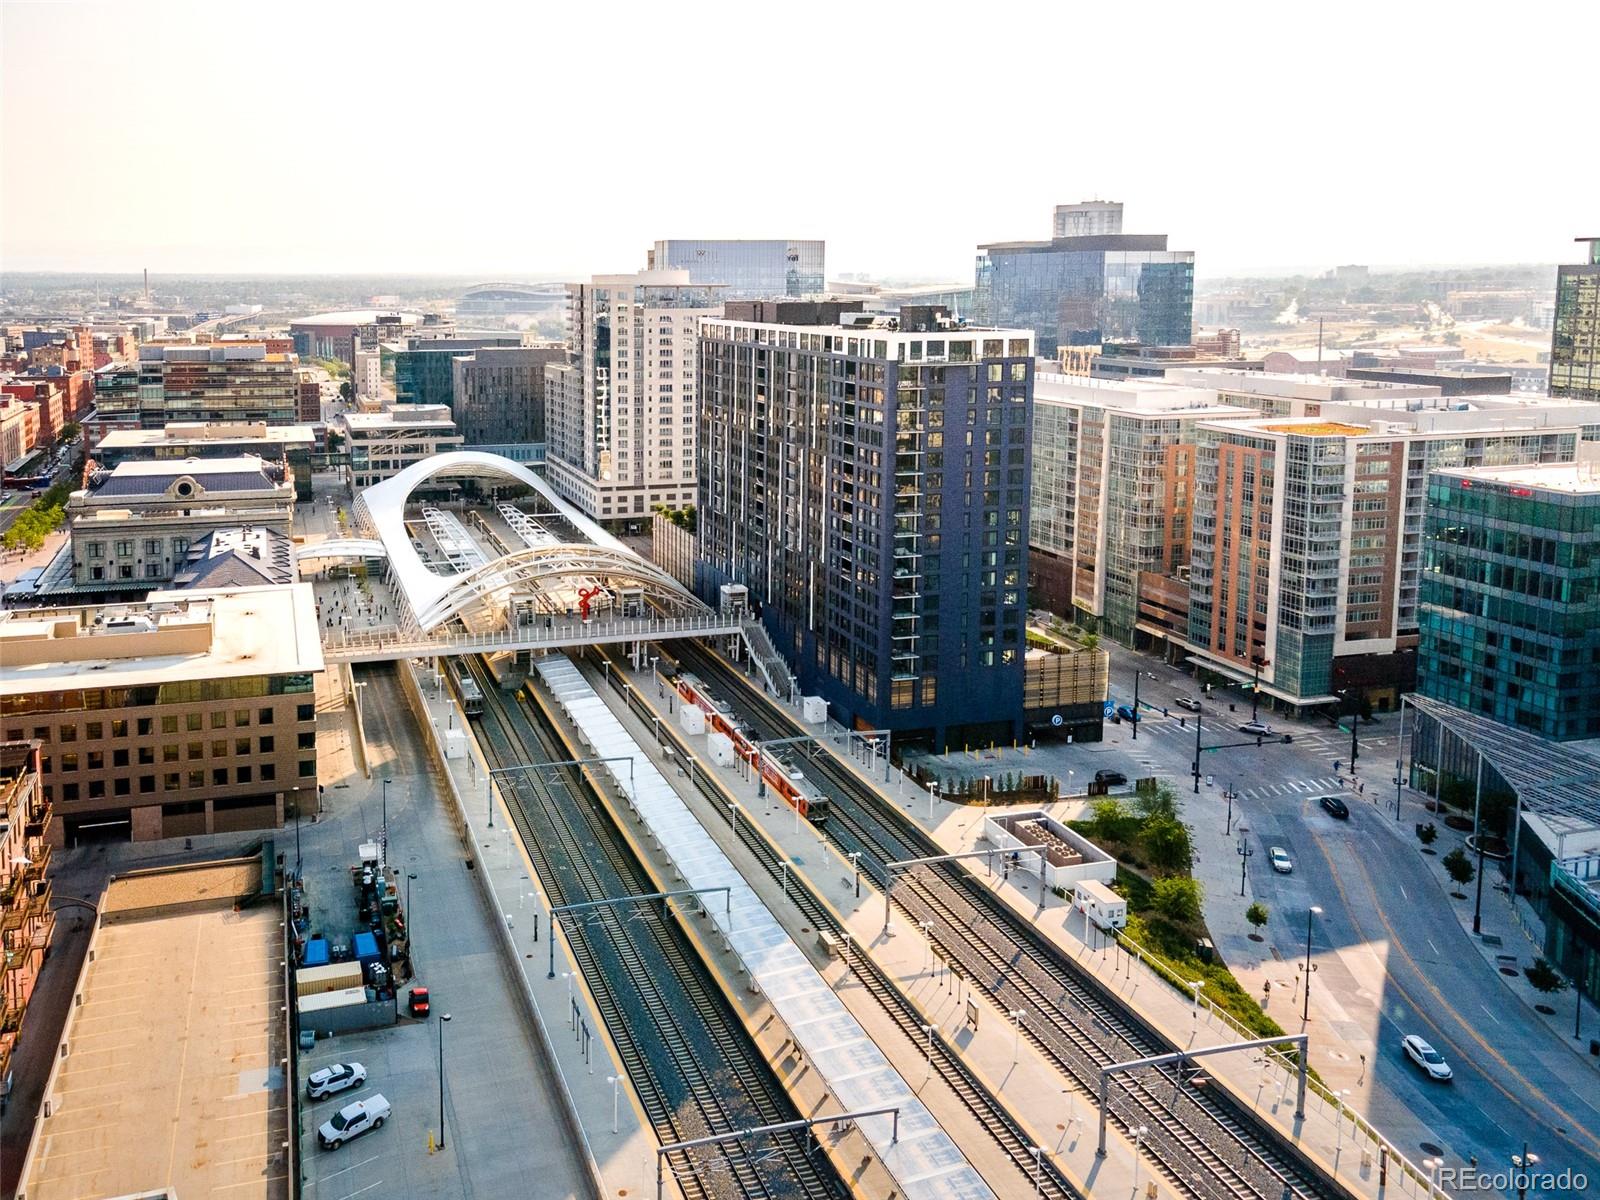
[1510,616]
[1575,344]
[424,371]
[748,269]
[1087,291]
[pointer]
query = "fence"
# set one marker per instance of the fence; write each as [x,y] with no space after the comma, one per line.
[559,633]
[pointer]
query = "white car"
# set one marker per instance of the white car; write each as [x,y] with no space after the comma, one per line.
[1280,860]
[1258,728]
[1426,1057]
[1188,702]
[336,1077]
[351,1121]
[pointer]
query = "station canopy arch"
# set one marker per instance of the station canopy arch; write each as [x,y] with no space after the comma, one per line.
[436,599]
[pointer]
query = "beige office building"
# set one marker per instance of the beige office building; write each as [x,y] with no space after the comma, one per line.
[192,712]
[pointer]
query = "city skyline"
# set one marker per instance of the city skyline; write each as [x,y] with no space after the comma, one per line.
[353,104]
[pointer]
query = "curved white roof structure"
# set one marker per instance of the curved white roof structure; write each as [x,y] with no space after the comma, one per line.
[341,548]
[436,598]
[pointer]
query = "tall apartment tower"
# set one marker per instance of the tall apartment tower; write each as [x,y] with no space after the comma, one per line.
[620,412]
[1575,344]
[867,479]
[1088,218]
[748,268]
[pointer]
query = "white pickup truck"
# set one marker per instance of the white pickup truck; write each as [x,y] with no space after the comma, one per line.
[351,1121]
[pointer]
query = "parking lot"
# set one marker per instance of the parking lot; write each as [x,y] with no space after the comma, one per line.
[401,1064]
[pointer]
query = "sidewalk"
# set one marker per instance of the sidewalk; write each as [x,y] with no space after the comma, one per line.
[1512,937]
[1343,1146]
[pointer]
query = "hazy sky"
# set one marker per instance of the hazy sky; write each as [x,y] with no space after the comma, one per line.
[563,138]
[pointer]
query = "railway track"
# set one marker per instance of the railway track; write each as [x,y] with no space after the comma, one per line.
[683,1048]
[984,1106]
[1205,1144]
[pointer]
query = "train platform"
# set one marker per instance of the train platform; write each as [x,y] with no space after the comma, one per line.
[919,1156]
[1341,1146]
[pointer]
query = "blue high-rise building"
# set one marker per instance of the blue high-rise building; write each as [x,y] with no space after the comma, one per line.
[1089,289]
[865,476]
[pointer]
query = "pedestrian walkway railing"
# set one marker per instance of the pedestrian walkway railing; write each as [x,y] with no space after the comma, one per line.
[342,644]
[1412,1178]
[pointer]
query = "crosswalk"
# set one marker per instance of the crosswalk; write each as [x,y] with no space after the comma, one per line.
[1293,787]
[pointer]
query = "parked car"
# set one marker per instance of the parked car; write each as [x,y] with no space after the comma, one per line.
[337,1077]
[1280,860]
[1188,702]
[1335,807]
[1426,1057]
[1127,714]
[417,1002]
[351,1121]
[1110,777]
[1257,728]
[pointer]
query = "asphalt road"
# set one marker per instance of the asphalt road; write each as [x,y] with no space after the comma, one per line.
[1391,952]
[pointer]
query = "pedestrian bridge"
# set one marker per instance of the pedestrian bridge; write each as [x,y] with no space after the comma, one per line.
[344,645]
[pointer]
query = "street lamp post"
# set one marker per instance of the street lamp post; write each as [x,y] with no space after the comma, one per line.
[1311,913]
[930,1030]
[1194,986]
[1138,1149]
[1431,1166]
[1477,834]
[1227,827]
[1136,675]
[1016,1015]
[1524,1163]
[1197,717]
[1338,1120]
[1577,995]
[1038,1167]
[1246,852]
[1257,662]
[410,875]
[444,1019]
[855,871]
[615,1082]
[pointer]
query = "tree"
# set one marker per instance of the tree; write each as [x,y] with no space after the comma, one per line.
[69,431]
[1543,977]
[1167,843]
[1159,801]
[1256,914]
[1427,833]
[347,391]
[1459,866]
[1091,641]
[1109,814]
[1177,898]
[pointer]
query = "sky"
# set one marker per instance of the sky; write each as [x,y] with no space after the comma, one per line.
[545,139]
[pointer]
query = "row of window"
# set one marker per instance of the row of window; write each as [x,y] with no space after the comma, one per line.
[95,760]
[193,722]
[172,781]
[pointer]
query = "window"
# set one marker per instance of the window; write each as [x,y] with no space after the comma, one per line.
[169,724]
[219,720]
[308,740]
[266,745]
[241,747]
[306,712]
[145,725]
[152,545]
[169,753]
[242,775]
[308,768]
[241,717]
[193,722]
[269,772]
[264,717]
[196,750]
[147,784]
[219,749]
